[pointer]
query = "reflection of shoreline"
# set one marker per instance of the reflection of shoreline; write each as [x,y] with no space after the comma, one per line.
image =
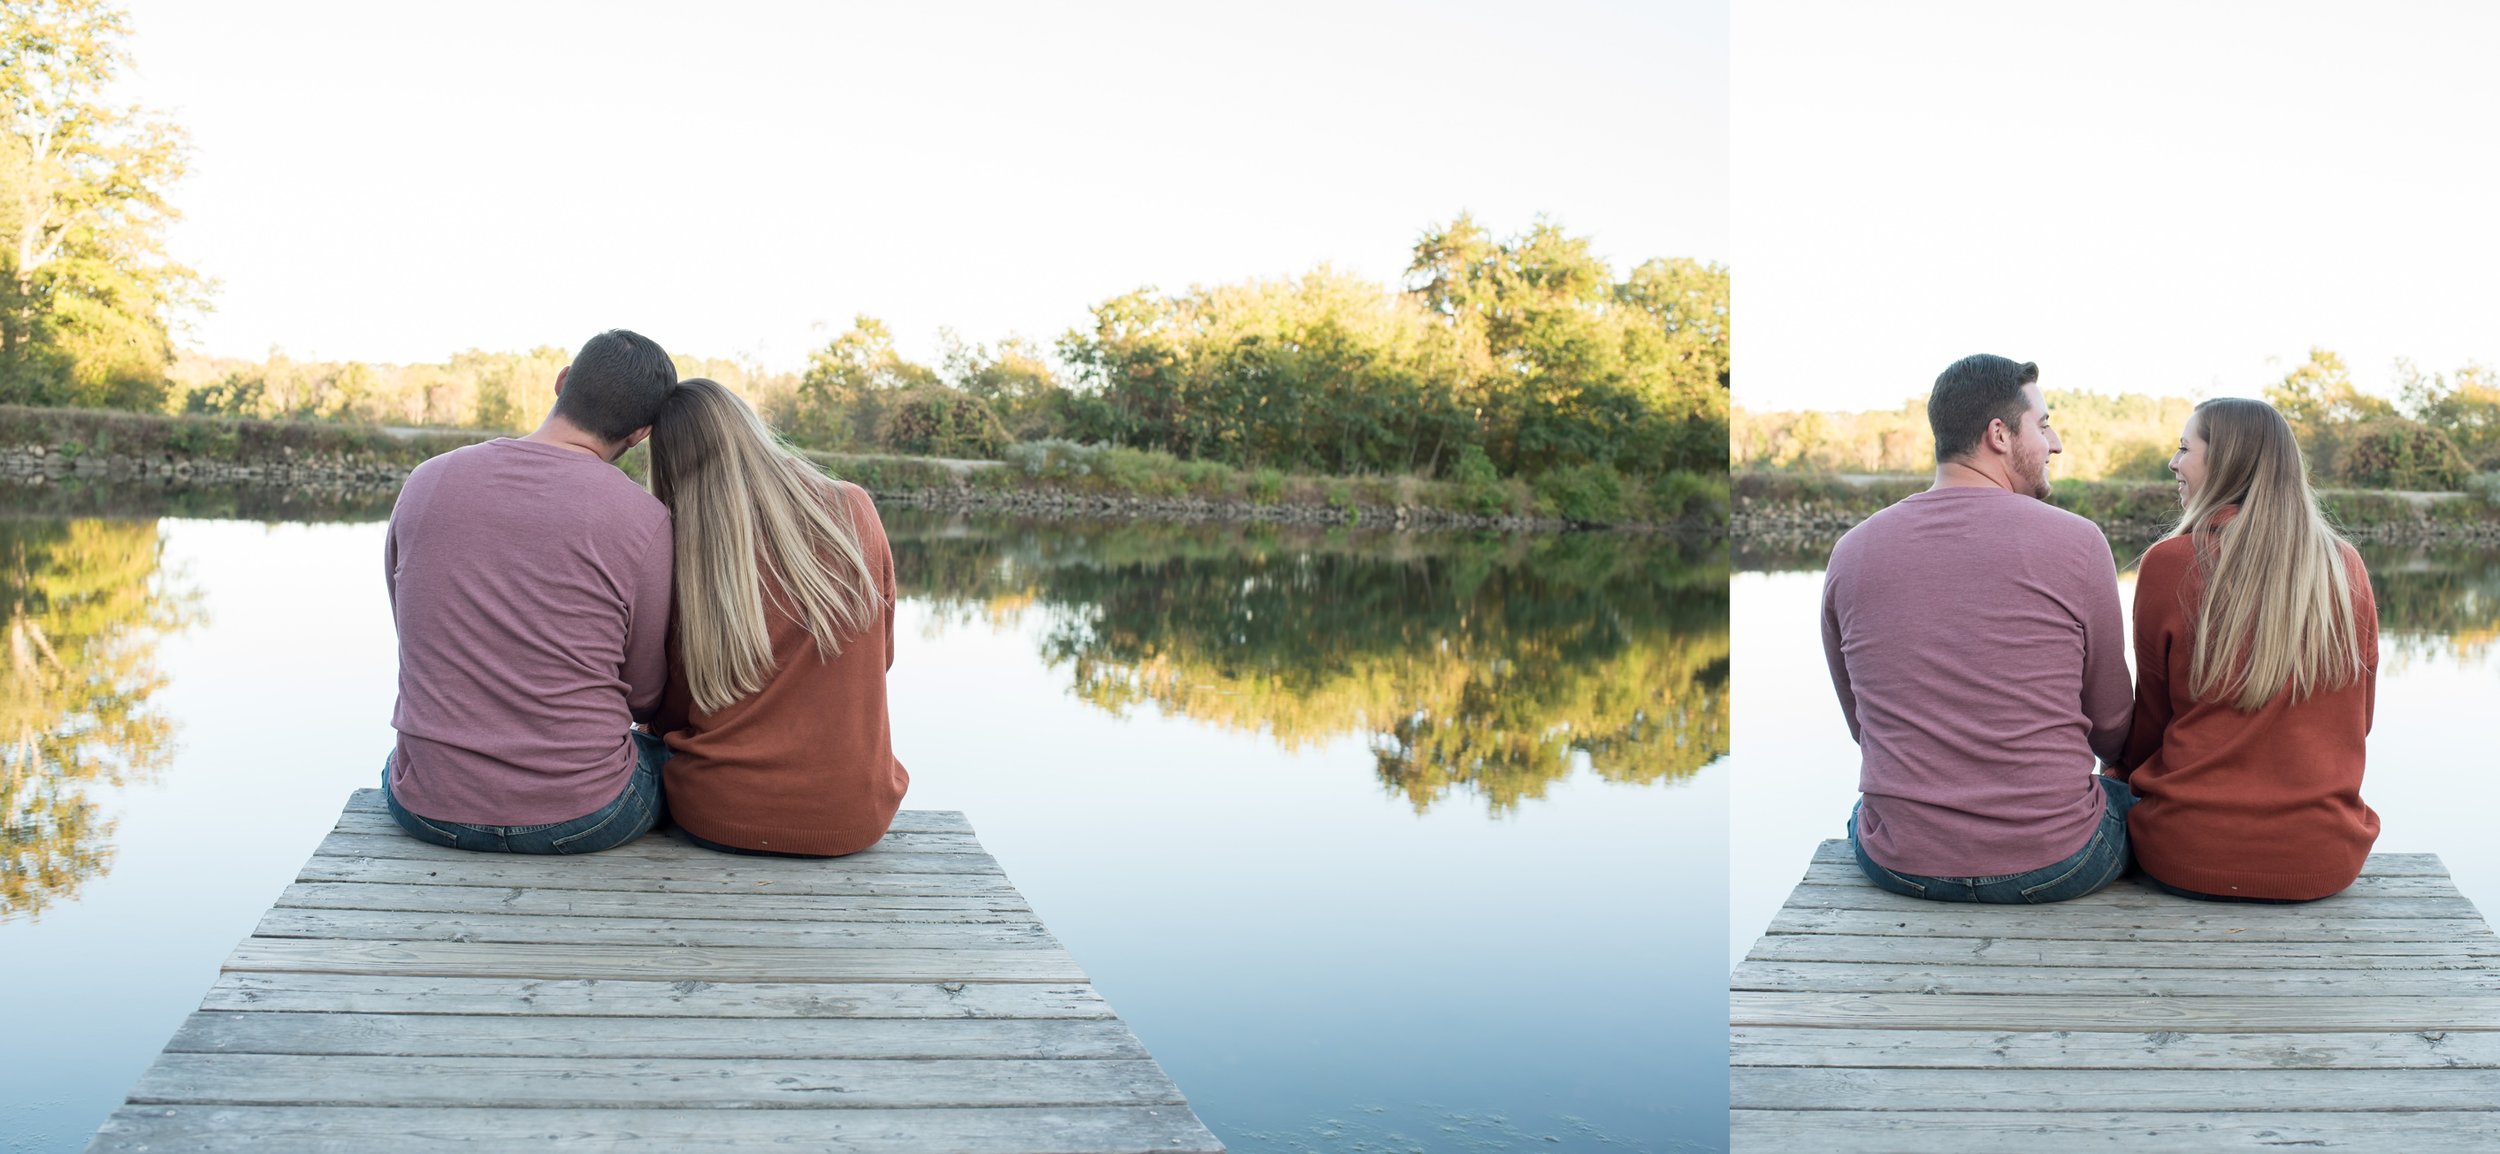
[1477,664]
[85,605]
[150,499]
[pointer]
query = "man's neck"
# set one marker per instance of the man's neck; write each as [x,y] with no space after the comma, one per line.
[564,434]
[1971,475]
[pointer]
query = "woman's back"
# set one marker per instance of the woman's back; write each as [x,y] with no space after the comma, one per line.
[805,764]
[2262,803]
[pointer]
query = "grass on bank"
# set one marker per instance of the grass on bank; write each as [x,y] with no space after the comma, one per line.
[1586,495]
[1590,495]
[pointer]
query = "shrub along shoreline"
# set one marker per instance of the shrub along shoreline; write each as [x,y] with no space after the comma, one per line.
[1768,505]
[41,446]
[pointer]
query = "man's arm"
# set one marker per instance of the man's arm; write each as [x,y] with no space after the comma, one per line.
[1832,657]
[2108,699]
[646,627]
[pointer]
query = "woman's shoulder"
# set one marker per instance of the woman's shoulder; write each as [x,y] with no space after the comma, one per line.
[847,493]
[2169,558]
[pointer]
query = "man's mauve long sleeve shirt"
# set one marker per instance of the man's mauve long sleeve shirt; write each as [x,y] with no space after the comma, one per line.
[1979,651]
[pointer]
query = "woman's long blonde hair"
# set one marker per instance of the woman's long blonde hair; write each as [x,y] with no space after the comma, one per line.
[2276,612]
[752,519]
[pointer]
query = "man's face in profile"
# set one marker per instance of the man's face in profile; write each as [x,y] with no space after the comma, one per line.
[2033,442]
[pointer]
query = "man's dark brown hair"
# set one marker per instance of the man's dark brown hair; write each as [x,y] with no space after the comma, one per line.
[616,384]
[1972,392]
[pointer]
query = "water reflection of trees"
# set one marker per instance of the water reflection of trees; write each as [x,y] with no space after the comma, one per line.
[83,609]
[1488,666]
[2436,602]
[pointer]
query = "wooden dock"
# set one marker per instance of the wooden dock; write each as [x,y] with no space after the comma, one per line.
[655,997]
[2128,1020]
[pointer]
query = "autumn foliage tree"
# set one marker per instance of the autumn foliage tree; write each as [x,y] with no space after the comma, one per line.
[84,280]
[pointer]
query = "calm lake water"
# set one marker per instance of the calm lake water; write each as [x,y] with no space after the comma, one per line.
[2431,748]
[1379,842]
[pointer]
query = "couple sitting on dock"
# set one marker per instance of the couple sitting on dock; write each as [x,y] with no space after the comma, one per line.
[1974,636]
[581,660]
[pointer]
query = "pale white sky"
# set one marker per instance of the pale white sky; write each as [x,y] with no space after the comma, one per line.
[399,182]
[2174,198]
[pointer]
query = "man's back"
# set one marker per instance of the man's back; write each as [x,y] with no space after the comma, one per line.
[1978,646]
[530,587]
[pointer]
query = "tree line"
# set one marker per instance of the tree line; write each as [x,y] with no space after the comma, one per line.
[2441,431]
[1498,356]
[1503,357]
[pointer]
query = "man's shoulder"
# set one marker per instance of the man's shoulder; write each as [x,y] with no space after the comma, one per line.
[2069,527]
[508,477]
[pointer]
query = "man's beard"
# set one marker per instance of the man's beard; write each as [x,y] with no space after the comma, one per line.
[2034,476]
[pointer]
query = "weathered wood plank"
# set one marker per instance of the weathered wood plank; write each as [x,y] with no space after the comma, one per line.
[1870,1132]
[913,840]
[536,929]
[2128,1019]
[2132,1091]
[358,1130]
[2092,1050]
[521,997]
[2086,923]
[567,873]
[702,963]
[2062,1012]
[580,1083]
[659,997]
[751,903]
[952,839]
[2367,886]
[369,801]
[1988,950]
[1835,851]
[1844,977]
[1864,896]
[669,856]
[506,1036]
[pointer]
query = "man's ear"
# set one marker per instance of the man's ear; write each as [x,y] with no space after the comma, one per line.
[560,375]
[1999,435]
[635,438]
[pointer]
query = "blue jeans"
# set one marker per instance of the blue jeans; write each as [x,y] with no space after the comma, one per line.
[2100,862]
[635,811]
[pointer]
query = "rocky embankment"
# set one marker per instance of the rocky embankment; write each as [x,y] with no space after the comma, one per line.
[43,464]
[1051,502]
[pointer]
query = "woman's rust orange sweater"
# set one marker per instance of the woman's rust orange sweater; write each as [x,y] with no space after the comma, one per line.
[806,764]
[2265,804]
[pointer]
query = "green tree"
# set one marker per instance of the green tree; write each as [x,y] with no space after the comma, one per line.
[2323,406]
[84,281]
[2466,407]
[1570,367]
[2401,453]
[1014,378]
[850,383]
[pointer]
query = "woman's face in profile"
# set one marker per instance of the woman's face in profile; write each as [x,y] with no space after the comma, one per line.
[2188,464]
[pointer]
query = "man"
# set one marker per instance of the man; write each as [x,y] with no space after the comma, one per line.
[1976,641]
[529,582]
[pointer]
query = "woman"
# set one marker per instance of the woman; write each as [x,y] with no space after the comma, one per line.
[775,712]
[2256,656]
